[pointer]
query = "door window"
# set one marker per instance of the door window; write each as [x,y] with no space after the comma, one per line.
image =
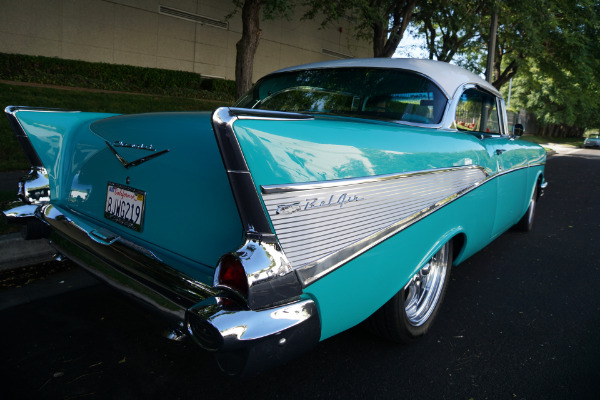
[477,111]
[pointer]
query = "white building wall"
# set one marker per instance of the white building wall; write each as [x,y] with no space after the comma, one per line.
[133,32]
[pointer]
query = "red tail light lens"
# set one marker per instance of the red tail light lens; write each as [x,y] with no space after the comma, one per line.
[232,274]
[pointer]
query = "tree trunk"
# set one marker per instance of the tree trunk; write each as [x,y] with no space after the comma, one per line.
[387,36]
[379,39]
[247,45]
[561,131]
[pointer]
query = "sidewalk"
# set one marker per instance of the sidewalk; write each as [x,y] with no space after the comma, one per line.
[15,252]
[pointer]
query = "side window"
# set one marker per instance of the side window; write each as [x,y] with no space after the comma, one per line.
[477,112]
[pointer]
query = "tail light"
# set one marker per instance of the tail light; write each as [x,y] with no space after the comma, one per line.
[231,274]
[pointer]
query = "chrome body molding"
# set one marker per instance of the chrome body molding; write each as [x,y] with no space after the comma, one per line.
[251,212]
[249,341]
[270,277]
[319,231]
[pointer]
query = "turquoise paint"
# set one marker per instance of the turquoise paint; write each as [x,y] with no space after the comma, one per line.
[189,205]
[280,152]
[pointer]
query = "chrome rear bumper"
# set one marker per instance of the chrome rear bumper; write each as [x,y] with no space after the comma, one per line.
[245,341]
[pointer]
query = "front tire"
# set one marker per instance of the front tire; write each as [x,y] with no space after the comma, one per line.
[525,224]
[411,312]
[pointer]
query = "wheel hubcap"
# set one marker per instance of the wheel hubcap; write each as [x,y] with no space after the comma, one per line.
[424,289]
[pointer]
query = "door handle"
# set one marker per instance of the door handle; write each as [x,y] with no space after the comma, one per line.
[500,151]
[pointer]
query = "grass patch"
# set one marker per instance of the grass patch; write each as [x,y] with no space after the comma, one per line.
[11,155]
[542,140]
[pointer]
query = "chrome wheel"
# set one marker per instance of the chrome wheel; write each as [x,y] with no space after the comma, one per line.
[423,291]
[526,222]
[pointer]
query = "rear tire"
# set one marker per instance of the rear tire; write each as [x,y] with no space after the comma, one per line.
[411,312]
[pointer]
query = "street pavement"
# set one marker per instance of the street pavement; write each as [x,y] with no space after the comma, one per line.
[520,320]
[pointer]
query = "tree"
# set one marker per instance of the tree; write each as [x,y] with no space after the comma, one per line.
[560,84]
[451,26]
[248,44]
[459,31]
[382,21]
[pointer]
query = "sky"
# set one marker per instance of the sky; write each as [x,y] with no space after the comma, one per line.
[412,47]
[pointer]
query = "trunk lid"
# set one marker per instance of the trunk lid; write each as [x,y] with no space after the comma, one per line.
[166,165]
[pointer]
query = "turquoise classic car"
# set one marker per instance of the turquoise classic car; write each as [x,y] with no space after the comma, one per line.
[331,194]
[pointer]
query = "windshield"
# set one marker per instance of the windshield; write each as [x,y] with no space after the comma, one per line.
[387,94]
[594,136]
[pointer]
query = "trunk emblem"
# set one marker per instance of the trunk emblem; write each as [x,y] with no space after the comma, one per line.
[129,164]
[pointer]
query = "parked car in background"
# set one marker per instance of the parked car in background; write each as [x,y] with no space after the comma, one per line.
[593,140]
[330,194]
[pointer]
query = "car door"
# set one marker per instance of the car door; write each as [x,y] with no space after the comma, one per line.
[482,113]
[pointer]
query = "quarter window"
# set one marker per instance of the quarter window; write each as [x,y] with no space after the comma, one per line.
[477,112]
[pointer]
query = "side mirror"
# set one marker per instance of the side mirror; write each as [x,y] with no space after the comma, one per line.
[518,130]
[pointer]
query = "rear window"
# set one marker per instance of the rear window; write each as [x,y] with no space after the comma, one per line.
[377,93]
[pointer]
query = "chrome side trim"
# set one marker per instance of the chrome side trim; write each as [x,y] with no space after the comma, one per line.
[271,189]
[321,226]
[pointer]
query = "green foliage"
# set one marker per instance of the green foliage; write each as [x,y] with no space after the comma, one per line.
[561,83]
[550,47]
[103,76]
[383,22]
[452,26]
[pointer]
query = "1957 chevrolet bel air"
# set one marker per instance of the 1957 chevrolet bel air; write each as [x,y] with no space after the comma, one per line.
[330,194]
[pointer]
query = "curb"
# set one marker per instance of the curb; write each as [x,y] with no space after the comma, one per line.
[16,252]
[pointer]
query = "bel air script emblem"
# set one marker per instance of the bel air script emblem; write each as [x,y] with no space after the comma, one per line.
[129,164]
[315,203]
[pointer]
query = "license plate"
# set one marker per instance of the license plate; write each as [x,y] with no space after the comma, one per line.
[125,205]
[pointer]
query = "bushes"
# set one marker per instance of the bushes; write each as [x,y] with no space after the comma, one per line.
[124,78]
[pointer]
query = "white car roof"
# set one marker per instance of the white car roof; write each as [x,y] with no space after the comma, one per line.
[447,76]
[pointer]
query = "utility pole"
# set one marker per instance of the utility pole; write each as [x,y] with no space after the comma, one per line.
[489,72]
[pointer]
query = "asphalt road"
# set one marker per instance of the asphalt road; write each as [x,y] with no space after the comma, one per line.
[521,320]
